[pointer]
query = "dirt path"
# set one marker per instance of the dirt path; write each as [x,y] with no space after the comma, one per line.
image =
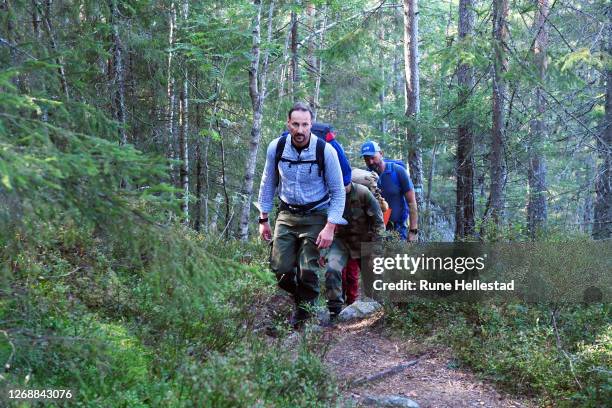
[359,350]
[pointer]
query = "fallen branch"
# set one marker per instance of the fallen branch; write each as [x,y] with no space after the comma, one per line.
[385,373]
[553,315]
[62,275]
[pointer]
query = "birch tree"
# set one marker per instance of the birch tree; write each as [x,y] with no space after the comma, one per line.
[295,67]
[170,85]
[257,92]
[184,132]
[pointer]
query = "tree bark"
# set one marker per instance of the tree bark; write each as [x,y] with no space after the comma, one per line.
[412,100]
[381,66]
[498,141]
[295,68]
[36,26]
[224,185]
[119,73]
[214,219]
[170,88]
[197,222]
[602,225]
[311,60]
[464,209]
[537,206]
[184,134]
[319,65]
[257,90]
[59,60]
[587,214]
[285,66]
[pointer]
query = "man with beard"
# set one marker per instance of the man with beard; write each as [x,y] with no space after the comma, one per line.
[307,175]
[397,189]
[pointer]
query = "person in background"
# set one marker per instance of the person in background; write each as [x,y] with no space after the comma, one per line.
[397,189]
[365,224]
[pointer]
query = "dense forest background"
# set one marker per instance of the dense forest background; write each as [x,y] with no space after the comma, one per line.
[132,139]
[503,118]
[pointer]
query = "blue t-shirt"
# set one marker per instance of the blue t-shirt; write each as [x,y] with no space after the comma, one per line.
[394,191]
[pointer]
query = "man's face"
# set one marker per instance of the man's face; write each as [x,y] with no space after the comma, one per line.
[375,162]
[299,127]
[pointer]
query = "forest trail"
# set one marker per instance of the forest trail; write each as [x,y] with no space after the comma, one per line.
[358,350]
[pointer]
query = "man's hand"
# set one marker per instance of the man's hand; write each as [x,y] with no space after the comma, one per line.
[326,236]
[265,232]
[412,237]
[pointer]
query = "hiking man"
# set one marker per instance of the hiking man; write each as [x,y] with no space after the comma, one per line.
[306,172]
[397,189]
[365,224]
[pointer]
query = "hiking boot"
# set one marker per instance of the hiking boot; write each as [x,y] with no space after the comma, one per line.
[333,318]
[329,320]
[299,317]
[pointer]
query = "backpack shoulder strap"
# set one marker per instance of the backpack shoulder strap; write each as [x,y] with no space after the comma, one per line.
[320,153]
[280,147]
[394,176]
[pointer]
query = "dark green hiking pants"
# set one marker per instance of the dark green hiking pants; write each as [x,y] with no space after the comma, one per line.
[337,259]
[294,244]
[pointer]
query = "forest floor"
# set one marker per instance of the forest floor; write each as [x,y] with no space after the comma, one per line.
[361,350]
[358,350]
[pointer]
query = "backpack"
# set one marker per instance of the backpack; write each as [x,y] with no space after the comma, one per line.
[325,134]
[393,169]
[369,179]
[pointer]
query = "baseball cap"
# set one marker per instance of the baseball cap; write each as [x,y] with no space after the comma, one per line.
[369,148]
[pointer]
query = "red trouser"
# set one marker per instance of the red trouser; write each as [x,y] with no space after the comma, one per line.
[350,281]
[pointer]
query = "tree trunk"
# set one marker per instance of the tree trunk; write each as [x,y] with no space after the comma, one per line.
[207,183]
[311,60]
[257,90]
[587,214]
[184,134]
[36,26]
[59,60]
[119,74]
[432,173]
[224,185]
[464,209]
[184,151]
[295,68]
[285,66]
[381,66]
[214,219]
[412,101]
[197,222]
[537,207]
[319,61]
[399,74]
[170,88]
[498,140]
[602,225]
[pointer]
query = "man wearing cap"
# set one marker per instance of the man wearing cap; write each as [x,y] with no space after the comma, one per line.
[311,205]
[397,189]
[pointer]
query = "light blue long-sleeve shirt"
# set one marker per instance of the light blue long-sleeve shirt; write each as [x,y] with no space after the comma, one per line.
[302,184]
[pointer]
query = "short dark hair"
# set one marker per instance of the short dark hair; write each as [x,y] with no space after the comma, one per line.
[300,106]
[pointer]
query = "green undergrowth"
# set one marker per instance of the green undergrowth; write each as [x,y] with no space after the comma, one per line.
[159,317]
[558,355]
[562,361]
